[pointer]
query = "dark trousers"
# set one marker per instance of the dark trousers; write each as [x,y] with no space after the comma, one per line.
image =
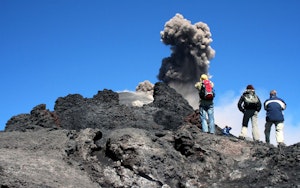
[247,115]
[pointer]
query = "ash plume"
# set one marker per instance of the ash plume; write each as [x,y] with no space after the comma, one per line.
[145,86]
[190,57]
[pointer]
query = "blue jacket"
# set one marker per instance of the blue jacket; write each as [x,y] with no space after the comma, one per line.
[226,130]
[274,107]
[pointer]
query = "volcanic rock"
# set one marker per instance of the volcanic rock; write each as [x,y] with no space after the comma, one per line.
[105,142]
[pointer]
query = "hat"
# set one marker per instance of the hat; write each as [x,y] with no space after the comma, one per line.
[273,92]
[250,87]
[204,77]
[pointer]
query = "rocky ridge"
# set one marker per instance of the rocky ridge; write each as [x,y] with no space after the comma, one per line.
[102,142]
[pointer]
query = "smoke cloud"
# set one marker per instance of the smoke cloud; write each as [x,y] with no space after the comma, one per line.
[190,57]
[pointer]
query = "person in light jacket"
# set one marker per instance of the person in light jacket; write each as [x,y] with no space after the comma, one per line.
[206,108]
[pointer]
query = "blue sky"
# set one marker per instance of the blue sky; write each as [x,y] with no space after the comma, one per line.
[52,48]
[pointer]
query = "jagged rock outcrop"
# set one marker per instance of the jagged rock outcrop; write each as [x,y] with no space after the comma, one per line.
[75,112]
[39,118]
[98,142]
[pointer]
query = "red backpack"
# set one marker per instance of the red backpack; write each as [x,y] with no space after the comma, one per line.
[206,91]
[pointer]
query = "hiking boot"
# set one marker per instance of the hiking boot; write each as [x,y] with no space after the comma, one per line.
[242,137]
[281,145]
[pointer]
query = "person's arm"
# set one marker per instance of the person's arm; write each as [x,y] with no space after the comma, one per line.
[283,104]
[265,106]
[258,106]
[198,85]
[241,108]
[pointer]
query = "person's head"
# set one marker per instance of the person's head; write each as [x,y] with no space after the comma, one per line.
[250,87]
[273,93]
[204,77]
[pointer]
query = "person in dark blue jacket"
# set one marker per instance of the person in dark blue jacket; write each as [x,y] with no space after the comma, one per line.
[274,107]
[226,130]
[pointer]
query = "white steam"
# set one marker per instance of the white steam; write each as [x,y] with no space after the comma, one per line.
[143,95]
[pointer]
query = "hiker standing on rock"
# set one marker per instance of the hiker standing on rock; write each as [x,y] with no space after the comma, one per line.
[206,107]
[249,104]
[274,107]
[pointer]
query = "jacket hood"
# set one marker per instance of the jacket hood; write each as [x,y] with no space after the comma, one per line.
[252,91]
[203,77]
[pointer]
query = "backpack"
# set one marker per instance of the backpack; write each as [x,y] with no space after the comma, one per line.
[250,100]
[206,91]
